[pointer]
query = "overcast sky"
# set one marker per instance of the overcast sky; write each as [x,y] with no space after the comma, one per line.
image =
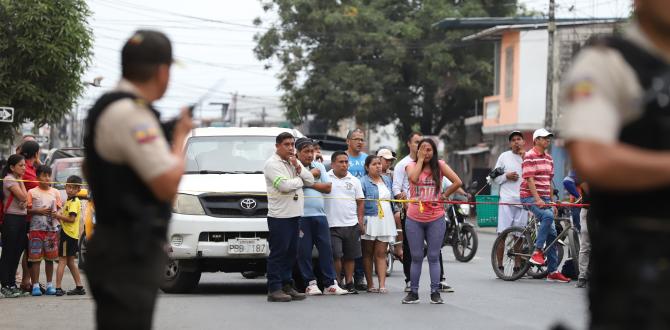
[213,40]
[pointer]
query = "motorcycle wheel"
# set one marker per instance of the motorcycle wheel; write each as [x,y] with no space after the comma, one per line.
[465,245]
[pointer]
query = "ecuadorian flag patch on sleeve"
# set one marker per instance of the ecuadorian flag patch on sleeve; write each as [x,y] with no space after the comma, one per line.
[145,133]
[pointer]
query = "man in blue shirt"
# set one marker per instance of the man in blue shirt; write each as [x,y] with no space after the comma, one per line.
[570,183]
[355,144]
[314,229]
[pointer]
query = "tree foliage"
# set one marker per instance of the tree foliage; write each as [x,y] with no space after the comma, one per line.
[45,48]
[379,60]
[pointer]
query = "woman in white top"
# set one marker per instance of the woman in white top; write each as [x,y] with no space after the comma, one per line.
[380,228]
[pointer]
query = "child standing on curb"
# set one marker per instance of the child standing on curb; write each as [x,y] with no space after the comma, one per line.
[68,247]
[43,202]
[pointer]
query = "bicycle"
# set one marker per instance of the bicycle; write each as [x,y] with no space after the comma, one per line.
[519,244]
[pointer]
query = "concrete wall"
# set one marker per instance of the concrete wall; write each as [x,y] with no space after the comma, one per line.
[507,100]
[532,78]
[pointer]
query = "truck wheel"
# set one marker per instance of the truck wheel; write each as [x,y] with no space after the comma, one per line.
[176,280]
[81,254]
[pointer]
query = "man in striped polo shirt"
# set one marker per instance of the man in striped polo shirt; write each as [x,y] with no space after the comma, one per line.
[536,191]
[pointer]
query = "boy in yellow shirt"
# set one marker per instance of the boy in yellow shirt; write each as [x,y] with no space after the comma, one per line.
[69,237]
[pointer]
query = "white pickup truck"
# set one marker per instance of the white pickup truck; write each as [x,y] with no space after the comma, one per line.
[219,217]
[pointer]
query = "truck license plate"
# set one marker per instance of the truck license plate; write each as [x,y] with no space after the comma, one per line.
[247,246]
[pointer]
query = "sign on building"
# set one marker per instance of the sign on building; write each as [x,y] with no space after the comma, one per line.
[6,114]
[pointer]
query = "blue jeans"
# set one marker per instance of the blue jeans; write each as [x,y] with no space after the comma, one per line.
[547,231]
[315,231]
[359,274]
[433,234]
[283,241]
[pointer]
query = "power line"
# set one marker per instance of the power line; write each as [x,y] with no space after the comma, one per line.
[143,8]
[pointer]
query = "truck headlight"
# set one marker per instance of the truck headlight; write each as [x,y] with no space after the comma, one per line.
[188,204]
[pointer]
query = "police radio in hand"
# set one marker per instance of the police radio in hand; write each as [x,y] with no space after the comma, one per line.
[190,110]
[168,126]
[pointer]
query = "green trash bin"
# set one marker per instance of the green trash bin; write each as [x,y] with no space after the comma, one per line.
[487,214]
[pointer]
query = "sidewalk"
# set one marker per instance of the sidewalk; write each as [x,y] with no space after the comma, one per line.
[486,230]
[482,230]
[68,282]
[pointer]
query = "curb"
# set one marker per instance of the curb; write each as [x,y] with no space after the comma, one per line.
[487,230]
[483,230]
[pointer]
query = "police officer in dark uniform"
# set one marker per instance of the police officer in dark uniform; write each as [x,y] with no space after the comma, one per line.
[617,123]
[133,174]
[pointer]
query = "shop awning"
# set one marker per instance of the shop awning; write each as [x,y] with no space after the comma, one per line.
[473,150]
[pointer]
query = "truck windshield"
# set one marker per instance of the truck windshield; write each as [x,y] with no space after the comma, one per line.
[228,154]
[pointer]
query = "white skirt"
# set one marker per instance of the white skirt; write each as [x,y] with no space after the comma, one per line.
[380,229]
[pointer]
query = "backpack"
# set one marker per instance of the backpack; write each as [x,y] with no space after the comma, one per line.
[570,270]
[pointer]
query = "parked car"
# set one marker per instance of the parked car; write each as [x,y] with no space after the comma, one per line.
[329,144]
[88,221]
[219,216]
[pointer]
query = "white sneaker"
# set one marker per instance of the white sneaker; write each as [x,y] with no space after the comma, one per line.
[444,287]
[313,289]
[335,290]
[408,287]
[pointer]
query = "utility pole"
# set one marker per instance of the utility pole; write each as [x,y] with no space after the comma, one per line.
[224,109]
[233,111]
[263,115]
[552,70]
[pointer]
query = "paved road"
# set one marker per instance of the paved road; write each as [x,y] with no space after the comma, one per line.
[228,301]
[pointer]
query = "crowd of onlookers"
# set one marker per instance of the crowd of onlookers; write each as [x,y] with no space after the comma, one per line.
[351,216]
[37,225]
[348,213]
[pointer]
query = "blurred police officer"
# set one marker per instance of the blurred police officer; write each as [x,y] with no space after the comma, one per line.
[133,174]
[618,127]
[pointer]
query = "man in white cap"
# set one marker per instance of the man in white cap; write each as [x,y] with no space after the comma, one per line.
[388,157]
[510,186]
[536,193]
[387,160]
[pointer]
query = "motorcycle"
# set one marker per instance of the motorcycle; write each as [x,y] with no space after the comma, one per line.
[460,234]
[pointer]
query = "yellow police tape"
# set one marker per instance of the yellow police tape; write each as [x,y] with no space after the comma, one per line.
[49,182]
[378,200]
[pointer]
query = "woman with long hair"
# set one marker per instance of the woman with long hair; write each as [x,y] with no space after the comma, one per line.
[380,227]
[425,216]
[14,239]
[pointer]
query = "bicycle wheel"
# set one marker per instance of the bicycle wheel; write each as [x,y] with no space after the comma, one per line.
[517,248]
[538,272]
[465,246]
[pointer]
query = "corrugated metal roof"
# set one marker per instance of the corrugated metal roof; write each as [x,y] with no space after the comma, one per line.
[476,23]
[496,31]
[473,150]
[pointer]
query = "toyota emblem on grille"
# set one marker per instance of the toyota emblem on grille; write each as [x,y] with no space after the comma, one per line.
[248,203]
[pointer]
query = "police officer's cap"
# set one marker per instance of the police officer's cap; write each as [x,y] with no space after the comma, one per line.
[147,47]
